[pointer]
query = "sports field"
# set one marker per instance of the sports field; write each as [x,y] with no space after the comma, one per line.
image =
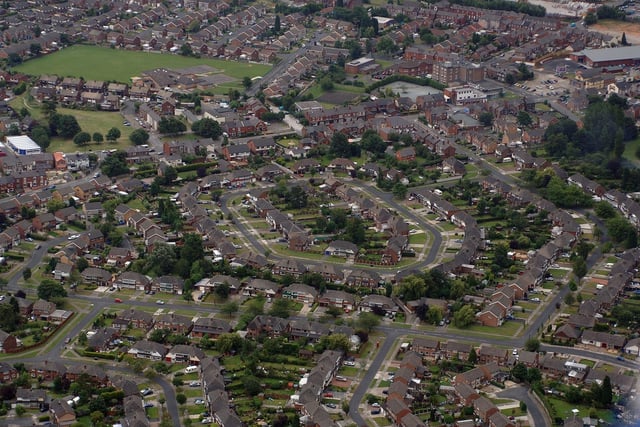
[101,63]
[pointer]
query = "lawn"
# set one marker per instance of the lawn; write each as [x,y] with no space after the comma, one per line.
[417,239]
[630,149]
[562,409]
[84,61]
[89,121]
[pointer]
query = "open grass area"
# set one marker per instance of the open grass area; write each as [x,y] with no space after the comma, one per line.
[562,409]
[418,239]
[90,63]
[630,149]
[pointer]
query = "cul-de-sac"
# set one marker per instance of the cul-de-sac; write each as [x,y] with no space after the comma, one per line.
[319,213]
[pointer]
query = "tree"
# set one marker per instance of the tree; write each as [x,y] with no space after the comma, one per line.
[181,399]
[569,299]
[519,372]
[222,291]
[532,344]
[280,308]
[48,290]
[276,25]
[171,125]
[464,317]
[82,138]
[26,273]
[9,317]
[41,137]
[399,191]
[473,356]
[367,321]
[139,137]
[206,128]
[485,118]
[251,385]
[386,45]
[14,59]
[35,48]
[229,308]
[339,342]
[590,19]
[48,108]
[113,134]
[623,40]
[97,137]
[606,392]
[246,82]
[186,50]
[115,164]
[524,119]
[64,125]
[580,267]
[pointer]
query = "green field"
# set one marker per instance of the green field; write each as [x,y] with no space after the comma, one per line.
[630,149]
[101,63]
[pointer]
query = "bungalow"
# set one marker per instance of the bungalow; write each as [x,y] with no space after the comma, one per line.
[603,340]
[148,350]
[261,287]
[62,271]
[133,280]
[341,248]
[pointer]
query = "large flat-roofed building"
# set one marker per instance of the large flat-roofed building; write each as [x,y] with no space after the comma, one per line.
[361,65]
[609,57]
[23,145]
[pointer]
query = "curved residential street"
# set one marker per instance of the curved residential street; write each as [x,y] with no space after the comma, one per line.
[392,334]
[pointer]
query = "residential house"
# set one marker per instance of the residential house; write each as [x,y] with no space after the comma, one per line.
[189,354]
[209,327]
[62,414]
[175,323]
[148,350]
[340,299]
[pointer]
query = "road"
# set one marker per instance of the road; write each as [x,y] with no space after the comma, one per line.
[537,412]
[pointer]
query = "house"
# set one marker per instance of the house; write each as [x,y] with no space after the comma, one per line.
[341,248]
[8,342]
[603,340]
[493,315]
[101,340]
[427,347]
[175,323]
[31,398]
[118,256]
[96,276]
[340,299]
[269,325]
[363,278]
[209,327]
[42,308]
[487,354]
[148,350]
[133,280]
[484,408]
[44,222]
[288,266]
[300,292]
[378,304]
[168,284]
[62,271]
[189,354]
[62,414]
[455,350]
[7,373]
[137,319]
[633,347]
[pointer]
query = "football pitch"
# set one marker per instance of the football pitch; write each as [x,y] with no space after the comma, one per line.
[101,63]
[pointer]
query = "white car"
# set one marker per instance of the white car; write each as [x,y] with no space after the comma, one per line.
[73,237]
[160,302]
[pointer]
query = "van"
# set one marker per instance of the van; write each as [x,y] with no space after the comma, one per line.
[190,369]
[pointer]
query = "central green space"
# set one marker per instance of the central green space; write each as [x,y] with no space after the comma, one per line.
[101,63]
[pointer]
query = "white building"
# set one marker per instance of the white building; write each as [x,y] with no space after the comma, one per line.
[23,145]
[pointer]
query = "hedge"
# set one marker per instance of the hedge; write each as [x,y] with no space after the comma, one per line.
[108,356]
[195,166]
[14,256]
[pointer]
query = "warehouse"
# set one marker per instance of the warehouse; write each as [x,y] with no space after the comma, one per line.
[608,57]
[23,145]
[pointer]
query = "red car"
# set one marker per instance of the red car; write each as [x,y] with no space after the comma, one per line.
[118,300]
[328,395]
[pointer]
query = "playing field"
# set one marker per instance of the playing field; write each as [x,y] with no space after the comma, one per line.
[100,63]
